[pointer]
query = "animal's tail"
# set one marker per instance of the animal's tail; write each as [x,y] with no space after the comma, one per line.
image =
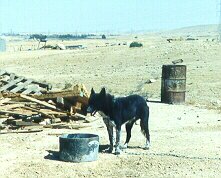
[144,123]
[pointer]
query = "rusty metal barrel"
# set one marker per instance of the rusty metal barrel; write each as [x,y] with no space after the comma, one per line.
[173,84]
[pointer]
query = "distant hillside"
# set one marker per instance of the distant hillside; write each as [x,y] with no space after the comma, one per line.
[200,30]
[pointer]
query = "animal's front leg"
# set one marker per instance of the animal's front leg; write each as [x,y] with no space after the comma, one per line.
[110,134]
[111,138]
[117,146]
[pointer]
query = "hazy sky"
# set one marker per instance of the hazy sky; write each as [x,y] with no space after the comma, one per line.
[104,15]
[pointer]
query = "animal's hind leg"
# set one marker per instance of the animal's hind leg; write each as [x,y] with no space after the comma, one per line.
[128,126]
[118,135]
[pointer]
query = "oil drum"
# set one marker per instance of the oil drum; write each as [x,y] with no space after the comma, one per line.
[173,84]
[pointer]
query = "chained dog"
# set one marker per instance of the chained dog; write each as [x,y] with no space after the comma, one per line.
[117,111]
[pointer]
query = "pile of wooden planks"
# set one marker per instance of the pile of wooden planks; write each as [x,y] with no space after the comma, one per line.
[63,109]
[18,84]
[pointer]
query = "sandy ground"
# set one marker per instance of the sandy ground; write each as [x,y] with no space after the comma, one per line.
[185,143]
[185,138]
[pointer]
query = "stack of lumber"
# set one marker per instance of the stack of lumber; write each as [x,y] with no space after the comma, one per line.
[63,109]
[18,84]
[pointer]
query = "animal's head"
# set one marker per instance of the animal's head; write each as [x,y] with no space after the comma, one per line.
[96,101]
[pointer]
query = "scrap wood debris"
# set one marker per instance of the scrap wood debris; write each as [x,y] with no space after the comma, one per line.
[19,84]
[20,113]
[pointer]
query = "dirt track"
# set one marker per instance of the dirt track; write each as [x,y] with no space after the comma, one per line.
[185,139]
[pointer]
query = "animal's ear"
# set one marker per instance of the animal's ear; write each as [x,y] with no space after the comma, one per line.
[92,91]
[103,91]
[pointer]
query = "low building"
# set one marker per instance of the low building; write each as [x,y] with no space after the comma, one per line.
[2,45]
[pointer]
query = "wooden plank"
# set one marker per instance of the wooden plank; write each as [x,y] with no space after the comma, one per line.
[39,102]
[91,119]
[4,100]
[12,77]
[23,123]
[50,96]
[11,106]
[12,113]
[63,94]
[3,117]
[43,85]
[10,120]
[19,102]
[47,111]
[31,89]
[36,110]
[12,83]
[21,131]
[22,86]
[55,120]
[67,126]
[2,72]
[79,116]
[25,112]
[55,134]
[56,125]
[37,93]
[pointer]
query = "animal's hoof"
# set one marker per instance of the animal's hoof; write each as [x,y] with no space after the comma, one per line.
[117,153]
[146,148]
[123,146]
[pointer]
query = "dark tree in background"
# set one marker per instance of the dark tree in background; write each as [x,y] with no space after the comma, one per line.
[135,44]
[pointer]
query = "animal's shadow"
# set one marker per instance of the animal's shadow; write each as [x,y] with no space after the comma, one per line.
[52,155]
[104,148]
